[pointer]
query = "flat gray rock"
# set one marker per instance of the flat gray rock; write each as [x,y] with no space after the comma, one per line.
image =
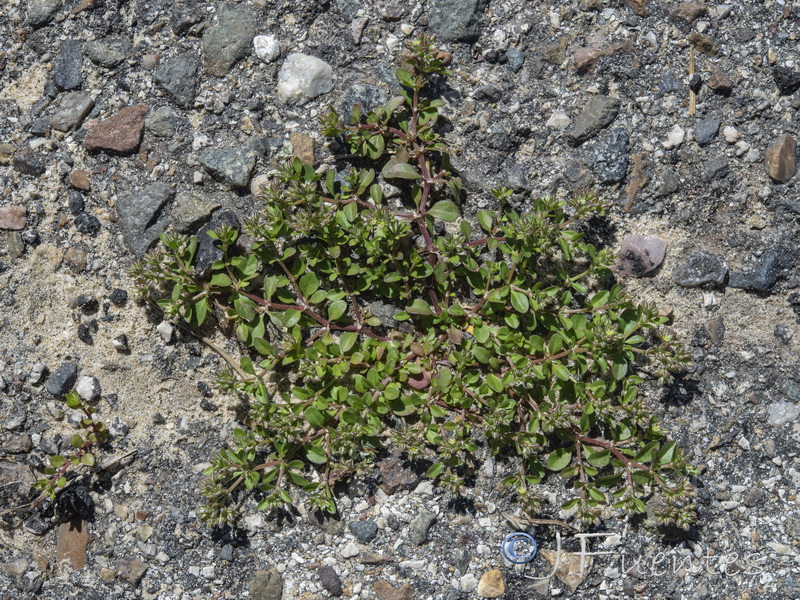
[700,268]
[230,39]
[142,215]
[110,51]
[40,12]
[72,109]
[178,77]
[456,20]
[232,166]
[68,70]
[609,158]
[599,113]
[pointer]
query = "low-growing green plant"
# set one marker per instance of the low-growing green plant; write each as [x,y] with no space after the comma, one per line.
[370,326]
[95,434]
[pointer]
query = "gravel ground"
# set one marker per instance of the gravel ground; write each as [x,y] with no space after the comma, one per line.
[123,119]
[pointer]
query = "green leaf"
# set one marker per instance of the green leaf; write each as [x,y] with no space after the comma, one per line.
[308,284]
[57,461]
[519,301]
[434,471]
[398,170]
[667,453]
[619,368]
[291,317]
[87,459]
[314,416]
[419,307]
[555,344]
[486,220]
[316,454]
[220,280]
[445,210]
[560,371]
[336,309]
[76,441]
[495,382]
[346,341]
[559,459]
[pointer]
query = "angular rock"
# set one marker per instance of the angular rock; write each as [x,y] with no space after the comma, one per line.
[715,168]
[707,129]
[365,531]
[418,529]
[330,580]
[71,542]
[142,215]
[765,273]
[266,585]
[455,20]
[7,153]
[516,58]
[639,255]
[385,591]
[178,77]
[79,179]
[67,73]
[302,78]
[75,501]
[699,269]
[16,567]
[185,14]
[348,8]
[572,568]
[190,210]
[585,58]
[164,122]
[230,39]
[609,158]
[13,217]
[41,12]
[394,476]
[121,132]
[88,387]
[87,223]
[131,570]
[110,51]
[62,379]
[207,251]
[491,585]
[688,12]
[719,81]
[369,96]
[787,80]
[72,109]
[28,162]
[232,166]
[781,413]
[267,47]
[780,159]
[599,112]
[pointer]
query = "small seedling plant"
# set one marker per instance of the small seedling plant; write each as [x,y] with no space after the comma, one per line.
[81,454]
[370,327]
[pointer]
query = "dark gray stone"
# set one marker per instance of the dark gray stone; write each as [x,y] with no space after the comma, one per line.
[185,14]
[370,97]
[517,179]
[110,51]
[348,8]
[793,526]
[207,251]
[87,223]
[765,273]
[179,78]
[488,92]
[456,20]
[669,183]
[706,130]
[76,203]
[330,580]
[142,215]
[715,168]
[787,80]
[232,166]
[28,162]
[40,12]
[700,268]
[418,529]
[67,73]
[669,84]
[62,379]
[118,296]
[230,39]
[164,121]
[365,531]
[72,109]
[515,57]
[609,158]
[599,113]
[191,209]
[266,585]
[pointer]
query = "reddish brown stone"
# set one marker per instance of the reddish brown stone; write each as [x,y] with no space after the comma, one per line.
[780,159]
[303,147]
[719,81]
[385,591]
[13,217]
[585,58]
[79,179]
[639,7]
[121,132]
[71,542]
[689,11]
